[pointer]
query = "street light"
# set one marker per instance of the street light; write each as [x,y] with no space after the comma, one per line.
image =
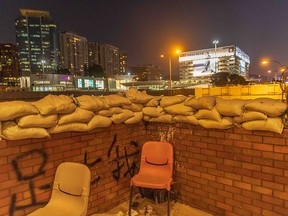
[282,69]
[170,70]
[43,62]
[215,42]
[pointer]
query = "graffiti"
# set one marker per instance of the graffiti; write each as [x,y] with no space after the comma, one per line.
[118,159]
[122,161]
[21,176]
[98,160]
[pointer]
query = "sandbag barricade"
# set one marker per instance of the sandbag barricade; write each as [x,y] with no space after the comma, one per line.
[59,113]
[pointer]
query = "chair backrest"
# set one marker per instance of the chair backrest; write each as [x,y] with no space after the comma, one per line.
[73,178]
[158,154]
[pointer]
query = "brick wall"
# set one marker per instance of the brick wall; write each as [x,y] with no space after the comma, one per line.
[27,167]
[229,172]
[225,172]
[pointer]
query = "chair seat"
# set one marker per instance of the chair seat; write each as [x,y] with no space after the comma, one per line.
[148,181]
[62,205]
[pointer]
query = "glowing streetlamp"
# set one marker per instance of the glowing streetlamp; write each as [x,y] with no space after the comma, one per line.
[170,69]
[282,69]
[215,42]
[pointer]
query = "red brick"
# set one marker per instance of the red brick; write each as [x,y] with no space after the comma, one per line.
[233,136]
[273,200]
[263,147]
[224,206]
[216,134]
[281,149]
[273,185]
[242,185]
[242,144]
[252,138]
[274,140]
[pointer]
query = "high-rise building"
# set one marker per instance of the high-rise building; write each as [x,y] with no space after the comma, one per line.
[197,66]
[37,41]
[93,54]
[9,65]
[74,52]
[123,64]
[109,59]
[147,72]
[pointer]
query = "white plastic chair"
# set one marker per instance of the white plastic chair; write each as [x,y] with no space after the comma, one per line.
[70,192]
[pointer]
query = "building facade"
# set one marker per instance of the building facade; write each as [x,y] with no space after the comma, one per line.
[123,64]
[74,52]
[109,59]
[37,41]
[197,66]
[93,54]
[147,72]
[9,65]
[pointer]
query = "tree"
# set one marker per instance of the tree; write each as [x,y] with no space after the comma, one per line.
[225,78]
[96,71]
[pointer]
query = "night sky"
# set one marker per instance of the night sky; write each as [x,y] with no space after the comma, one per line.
[148,28]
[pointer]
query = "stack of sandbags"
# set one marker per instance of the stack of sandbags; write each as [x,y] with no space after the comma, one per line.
[163,113]
[118,101]
[138,100]
[264,114]
[89,107]
[32,124]
[63,106]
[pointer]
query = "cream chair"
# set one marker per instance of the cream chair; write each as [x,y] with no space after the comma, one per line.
[70,192]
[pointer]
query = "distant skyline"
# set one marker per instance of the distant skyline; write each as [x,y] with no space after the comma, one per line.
[148,28]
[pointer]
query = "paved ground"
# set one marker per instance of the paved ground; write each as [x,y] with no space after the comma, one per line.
[177,209]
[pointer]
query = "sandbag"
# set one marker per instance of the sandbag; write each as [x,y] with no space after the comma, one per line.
[186,119]
[166,118]
[146,118]
[91,103]
[110,112]
[250,116]
[153,111]
[136,96]
[76,127]
[134,107]
[212,114]
[135,119]
[12,110]
[78,116]
[171,100]
[270,124]
[230,107]
[99,121]
[154,102]
[12,131]
[179,109]
[225,123]
[116,100]
[121,117]
[268,106]
[204,102]
[55,104]
[38,120]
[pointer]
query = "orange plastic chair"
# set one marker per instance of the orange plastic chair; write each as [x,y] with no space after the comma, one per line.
[156,169]
[70,191]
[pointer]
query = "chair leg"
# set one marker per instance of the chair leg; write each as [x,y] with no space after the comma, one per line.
[130,200]
[168,211]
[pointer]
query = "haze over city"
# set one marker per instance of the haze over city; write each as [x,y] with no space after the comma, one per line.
[146,29]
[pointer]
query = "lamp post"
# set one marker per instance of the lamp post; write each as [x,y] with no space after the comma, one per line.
[43,62]
[215,42]
[283,70]
[170,71]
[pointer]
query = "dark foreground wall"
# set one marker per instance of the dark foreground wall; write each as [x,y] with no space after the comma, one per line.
[225,172]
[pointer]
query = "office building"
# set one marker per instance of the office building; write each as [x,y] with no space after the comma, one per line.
[197,66]
[147,72]
[109,59]
[93,54]
[123,64]
[9,65]
[74,53]
[37,41]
